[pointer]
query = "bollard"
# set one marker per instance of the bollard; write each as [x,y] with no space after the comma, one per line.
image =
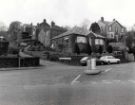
[88,64]
[91,67]
[93,63]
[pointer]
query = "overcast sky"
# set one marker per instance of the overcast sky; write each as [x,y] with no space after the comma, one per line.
[67,12]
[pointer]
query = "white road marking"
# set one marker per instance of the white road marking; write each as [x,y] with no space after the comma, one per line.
[75,80]
[117,81]
[106,82]
[107,70]
[94,83]
[132,81]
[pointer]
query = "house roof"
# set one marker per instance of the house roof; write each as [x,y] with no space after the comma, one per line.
[79,31]
[97,35]
[109,23]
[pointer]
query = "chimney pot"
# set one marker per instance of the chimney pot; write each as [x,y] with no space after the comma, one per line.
[102,19]
[44,20]
[52,24]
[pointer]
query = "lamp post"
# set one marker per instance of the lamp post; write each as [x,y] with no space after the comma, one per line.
[19,62]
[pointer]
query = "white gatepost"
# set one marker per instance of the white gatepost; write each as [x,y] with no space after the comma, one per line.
[91,67]
[93,63]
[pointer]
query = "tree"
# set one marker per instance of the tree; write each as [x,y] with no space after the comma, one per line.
[2,27]
[109,49]
[14,32]
[100,50]
[95,28]
[130,42]
[85,24]
[3,30]
[77,50]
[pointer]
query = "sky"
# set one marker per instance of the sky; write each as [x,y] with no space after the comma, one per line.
[67,12]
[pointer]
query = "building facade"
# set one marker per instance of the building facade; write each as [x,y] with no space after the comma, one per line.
[112,30]
[78,39]
[45,32]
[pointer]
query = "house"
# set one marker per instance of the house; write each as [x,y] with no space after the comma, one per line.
[113,30]
[45,32]
[78,38]
[44,26]
[44,38]
[56,30]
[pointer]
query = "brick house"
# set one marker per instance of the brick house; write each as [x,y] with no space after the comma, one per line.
[45,32]
[67,41]
[56,30]
[41,26]
[112,30]
[44,37]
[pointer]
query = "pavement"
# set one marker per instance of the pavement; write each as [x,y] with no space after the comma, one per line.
[59,84]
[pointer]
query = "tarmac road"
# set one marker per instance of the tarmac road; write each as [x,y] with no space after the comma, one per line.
[58,84]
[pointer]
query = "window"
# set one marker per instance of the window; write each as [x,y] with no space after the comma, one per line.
[81,39]
[96,41]
[122,30]
[110,28]
[116,29]
[66,41]
[101,42]
[112,36]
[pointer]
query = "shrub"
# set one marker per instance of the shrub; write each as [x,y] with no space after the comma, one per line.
[109,49]
[54,57]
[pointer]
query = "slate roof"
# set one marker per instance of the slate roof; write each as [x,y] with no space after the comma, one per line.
[109,23]
[78,31]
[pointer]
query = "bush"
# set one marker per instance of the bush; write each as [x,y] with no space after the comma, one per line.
[54,57]
[109,49]
[13,51]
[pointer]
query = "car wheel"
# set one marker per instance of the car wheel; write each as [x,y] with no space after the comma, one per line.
[102,63]
[84,64]
[118,62]
[108,62]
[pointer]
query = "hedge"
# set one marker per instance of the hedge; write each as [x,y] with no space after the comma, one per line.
[6,62]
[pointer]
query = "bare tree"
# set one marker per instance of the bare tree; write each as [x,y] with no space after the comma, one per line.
[85,24]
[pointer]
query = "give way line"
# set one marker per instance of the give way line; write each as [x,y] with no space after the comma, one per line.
[77,77]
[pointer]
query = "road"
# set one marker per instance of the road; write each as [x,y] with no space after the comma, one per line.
[59,84]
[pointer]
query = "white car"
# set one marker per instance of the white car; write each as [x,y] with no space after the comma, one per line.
[109,59]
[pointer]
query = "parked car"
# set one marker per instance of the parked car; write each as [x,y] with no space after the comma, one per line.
[109,59]
[84,60]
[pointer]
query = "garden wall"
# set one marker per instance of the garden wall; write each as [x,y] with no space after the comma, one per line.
[6,62]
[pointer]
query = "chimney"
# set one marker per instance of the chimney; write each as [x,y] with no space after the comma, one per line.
[102,19]
[31,24]
[44,21]
[113,19]
[38,25]
[52,24]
